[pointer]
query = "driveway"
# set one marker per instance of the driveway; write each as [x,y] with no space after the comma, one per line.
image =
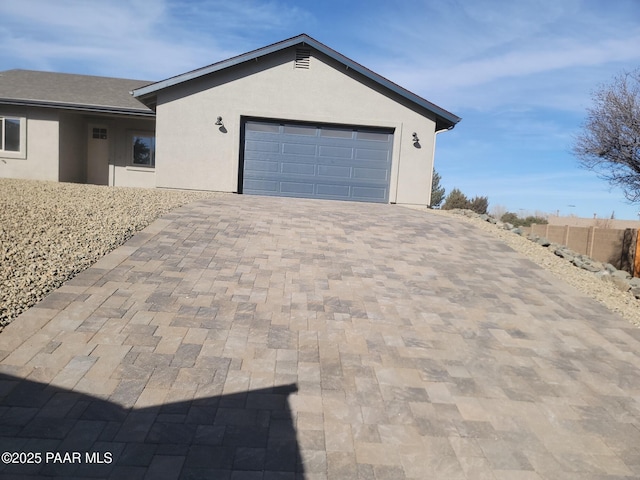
[246,337]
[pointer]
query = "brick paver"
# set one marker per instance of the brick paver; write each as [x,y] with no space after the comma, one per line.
[246,337]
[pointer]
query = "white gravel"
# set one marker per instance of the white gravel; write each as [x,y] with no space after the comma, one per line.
[604,292]
[50,231]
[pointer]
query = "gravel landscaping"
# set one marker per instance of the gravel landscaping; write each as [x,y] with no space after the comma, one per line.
[50,231]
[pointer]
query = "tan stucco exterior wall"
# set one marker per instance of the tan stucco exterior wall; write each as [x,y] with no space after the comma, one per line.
[39,160]
[73,149]
[121,172]
[193,153]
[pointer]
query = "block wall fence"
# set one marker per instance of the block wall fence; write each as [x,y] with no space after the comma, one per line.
[615,246]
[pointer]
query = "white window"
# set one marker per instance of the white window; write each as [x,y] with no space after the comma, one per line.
[10,138]
[143,150]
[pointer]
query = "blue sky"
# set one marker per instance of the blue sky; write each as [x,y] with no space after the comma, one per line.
[519,73]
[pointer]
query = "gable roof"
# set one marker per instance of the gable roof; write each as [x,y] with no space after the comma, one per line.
[147,94]
[71,92]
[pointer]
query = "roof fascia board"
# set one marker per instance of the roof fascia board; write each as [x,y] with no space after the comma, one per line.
[77,107]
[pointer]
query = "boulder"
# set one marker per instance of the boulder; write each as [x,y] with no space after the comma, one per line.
[621,274]
[592,266]
[634,282]
[565,253]
[543,241]
[620,283]
[578,262]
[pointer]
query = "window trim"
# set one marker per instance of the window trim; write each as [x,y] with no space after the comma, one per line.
[141,133]
[21,153]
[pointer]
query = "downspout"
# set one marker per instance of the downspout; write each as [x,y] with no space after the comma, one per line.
[398,167]
[433,159]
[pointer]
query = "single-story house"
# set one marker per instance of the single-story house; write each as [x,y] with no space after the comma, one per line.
[295,118]
[72,128]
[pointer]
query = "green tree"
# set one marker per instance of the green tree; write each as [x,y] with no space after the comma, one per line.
[479,204]
[437,191]
[516,221]
[455,199]
[511,218]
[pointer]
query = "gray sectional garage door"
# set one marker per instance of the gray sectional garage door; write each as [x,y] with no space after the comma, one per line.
[296,160]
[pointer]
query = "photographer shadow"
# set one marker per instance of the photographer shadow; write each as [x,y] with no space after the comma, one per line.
[209,438]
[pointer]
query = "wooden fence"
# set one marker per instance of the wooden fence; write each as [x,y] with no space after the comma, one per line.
[615,246]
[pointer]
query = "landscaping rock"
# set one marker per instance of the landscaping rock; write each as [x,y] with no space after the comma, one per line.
[621,274]
[621,284]
[588,264]
[610,268]
[565,253]
[543,241]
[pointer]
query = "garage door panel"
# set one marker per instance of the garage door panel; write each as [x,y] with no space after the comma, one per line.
[336,133]
[333,191]
[335,152]
[308,131]
[374,136]
[261,166]
[262,146]
[266,187]
[299,168]
[268,127]
[317,161]
[371,174]
[334,171]
[297,188]
[299,149]
[371,193]
[375,155]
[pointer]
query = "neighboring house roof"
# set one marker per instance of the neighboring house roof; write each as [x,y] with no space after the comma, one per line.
[71,92]
[147,94]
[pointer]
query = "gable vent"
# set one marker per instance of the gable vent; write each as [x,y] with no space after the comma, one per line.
[303,56]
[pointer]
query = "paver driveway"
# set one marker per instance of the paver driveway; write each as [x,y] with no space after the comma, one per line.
[245,337]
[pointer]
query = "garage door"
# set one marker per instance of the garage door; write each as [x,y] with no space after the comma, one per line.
[315,161]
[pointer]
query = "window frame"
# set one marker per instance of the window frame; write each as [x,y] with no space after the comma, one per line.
[21,153]
[132,138]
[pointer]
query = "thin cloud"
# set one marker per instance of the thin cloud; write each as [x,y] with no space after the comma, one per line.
[140,39]
[478,54]
[522,63]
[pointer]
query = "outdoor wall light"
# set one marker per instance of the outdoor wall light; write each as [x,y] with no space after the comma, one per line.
[415,137]
[219,122]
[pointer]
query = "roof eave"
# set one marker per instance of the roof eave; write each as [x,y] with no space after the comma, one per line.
[78,107]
